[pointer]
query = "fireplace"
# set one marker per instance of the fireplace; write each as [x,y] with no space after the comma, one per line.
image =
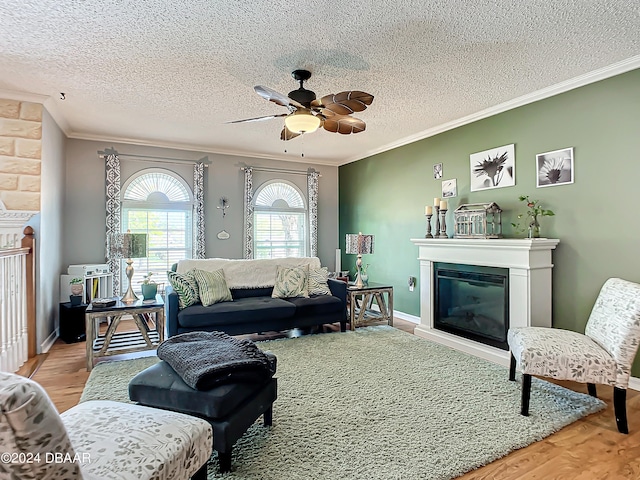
[472,301]
[526,294]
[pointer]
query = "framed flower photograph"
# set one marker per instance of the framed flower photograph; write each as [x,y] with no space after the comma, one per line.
[437,171]
[494,168]
[554,168]
[449,188]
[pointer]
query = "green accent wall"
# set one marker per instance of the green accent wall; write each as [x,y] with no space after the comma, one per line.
[597,219]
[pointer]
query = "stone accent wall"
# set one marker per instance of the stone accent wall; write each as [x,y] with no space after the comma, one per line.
[20,154]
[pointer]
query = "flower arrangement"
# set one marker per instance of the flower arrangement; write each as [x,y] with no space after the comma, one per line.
[75,281]
[534,211]
[147,280]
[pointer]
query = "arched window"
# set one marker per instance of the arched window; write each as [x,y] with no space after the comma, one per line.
[280,221]
[159,203]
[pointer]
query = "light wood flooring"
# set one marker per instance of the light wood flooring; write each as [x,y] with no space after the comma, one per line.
[588,449]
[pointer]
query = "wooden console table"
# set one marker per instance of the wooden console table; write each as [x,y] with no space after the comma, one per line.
[114,343]
[361,299]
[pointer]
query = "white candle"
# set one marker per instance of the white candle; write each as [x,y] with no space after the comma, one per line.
[428,210]
[436,201]
[443,204]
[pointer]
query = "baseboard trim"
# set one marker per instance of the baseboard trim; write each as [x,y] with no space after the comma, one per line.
[48,342]
[634,384]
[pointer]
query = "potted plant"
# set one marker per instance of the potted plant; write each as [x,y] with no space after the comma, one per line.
[149,287]
[77,286]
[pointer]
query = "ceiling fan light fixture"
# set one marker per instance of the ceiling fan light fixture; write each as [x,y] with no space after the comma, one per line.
[302,122]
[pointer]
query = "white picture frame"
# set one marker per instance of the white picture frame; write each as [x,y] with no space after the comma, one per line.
[493,168]
[554,168]
[449,188]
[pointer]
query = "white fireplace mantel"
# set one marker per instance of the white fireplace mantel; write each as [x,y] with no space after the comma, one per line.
[529,264]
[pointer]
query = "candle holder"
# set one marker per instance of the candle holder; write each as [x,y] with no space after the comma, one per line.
[443,224]
[428,235]
[436,228]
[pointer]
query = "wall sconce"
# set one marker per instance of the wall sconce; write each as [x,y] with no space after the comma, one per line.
[224,204]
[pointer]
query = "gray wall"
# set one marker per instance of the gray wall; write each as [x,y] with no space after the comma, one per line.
[84,204]
[596,217]
[49,229]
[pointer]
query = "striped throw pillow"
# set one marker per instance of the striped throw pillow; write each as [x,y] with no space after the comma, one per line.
[318,281]
[186,287]
[212,287]
[291,282]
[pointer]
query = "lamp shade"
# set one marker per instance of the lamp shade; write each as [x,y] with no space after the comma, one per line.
[359,244]
[128,245]
[302,122]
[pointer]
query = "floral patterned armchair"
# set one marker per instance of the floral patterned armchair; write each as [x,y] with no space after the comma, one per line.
[95,439]
[603,355]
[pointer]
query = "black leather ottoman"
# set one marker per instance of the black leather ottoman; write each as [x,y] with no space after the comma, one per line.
[230,409]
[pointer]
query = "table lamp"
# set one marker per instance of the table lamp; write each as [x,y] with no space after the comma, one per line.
[128,245]
[361,245]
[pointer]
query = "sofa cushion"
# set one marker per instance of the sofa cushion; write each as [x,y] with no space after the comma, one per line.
[247,309]
[251,292]
[186,286]
[317,305]
[123,441]
[291,282]
[318,281]
[212,287]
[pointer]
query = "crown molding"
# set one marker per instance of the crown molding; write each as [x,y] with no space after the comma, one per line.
[196,148]
[562,87]
[23,96]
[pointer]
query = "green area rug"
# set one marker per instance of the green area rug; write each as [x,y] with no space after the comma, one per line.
[379,403]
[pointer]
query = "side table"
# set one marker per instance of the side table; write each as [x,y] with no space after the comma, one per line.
[115,343]
[72,322]
[359,312]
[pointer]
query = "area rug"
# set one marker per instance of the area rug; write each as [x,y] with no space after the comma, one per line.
[379,403]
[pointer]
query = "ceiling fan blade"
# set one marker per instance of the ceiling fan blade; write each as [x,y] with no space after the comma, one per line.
[273,96]
[344,103]
[344,124]
[258,119]
[287,134]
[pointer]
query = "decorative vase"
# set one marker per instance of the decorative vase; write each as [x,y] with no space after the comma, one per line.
[365,278]
[534,228]
[149,291]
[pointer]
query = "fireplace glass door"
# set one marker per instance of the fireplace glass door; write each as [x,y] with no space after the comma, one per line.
[473,302]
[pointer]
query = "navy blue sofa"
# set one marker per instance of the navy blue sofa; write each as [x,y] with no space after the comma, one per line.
[253,311]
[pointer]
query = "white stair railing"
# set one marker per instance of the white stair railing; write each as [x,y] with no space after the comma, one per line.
[13,308]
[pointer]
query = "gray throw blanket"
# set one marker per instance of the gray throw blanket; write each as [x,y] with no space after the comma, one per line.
[207,359]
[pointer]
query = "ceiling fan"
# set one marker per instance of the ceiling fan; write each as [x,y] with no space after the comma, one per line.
[306,113]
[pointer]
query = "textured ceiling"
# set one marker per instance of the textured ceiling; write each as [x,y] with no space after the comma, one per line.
[171,73]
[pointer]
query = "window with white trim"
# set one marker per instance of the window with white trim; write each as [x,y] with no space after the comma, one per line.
[280,221]
[159,203]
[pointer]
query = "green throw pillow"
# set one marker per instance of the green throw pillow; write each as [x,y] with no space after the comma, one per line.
[186,287]
[212,287]
[318,281]
[291,282]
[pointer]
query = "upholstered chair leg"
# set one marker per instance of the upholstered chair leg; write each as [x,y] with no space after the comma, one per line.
[620,408]
[591,387]
[268,416]
[512,368]
[200,474]
[224,458]
[526,393]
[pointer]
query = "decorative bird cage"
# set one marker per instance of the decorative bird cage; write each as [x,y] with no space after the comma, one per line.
[478,220]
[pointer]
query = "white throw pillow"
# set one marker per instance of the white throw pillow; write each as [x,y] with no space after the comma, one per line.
[318,281]
[291,282]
